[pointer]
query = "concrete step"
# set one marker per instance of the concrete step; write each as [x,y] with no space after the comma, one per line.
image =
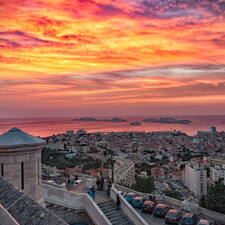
[111,202]
[115,216]
[118,218]
[111,213]
[108,208]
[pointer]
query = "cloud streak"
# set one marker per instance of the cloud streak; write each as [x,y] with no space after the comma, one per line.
[103,52]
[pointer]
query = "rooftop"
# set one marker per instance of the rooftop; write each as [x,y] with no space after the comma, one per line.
[23,209]
[16,137]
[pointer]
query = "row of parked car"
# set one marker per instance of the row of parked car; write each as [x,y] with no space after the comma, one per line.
[165,211]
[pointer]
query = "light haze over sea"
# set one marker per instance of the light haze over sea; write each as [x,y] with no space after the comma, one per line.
[49,126]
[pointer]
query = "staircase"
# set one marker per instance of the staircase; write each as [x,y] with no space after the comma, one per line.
[115,216]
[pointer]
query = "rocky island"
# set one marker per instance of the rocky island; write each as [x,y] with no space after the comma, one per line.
[167,120]
[135,124]
[87,119]
[91,119]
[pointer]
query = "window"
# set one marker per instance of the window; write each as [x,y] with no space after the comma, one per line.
[2,170]
[22,175]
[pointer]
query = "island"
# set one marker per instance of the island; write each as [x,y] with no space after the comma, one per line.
[114,120]
[87,119]
[167,120]
[91,119]
[135,124]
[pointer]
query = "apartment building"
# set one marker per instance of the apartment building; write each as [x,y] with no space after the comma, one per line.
[196,178]
[217,172]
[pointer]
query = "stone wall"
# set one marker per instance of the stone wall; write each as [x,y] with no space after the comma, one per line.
[211,215]
[12,171]
[127,209]
[71,200]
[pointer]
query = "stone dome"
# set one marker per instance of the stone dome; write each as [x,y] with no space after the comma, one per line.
[16,137]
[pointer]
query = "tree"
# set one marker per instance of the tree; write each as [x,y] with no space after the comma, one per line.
[145,185]
[95,164]
[173,194]
[215,198]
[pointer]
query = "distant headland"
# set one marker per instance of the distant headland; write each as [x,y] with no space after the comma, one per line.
[167,120]
[135,124]
[91,119]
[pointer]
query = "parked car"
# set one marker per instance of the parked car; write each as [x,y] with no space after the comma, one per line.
[173,216]
[161,210]
[138,202]
[203,222]
[148,207]
[130,196]
[189,219]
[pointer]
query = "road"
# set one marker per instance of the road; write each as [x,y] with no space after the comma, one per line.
[151,219]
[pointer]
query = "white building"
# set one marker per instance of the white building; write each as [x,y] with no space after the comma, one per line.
[196,179]
[217,172]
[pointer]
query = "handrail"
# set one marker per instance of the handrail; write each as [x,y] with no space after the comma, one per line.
[75,201]
[128,210]
[92,210]
[197,210]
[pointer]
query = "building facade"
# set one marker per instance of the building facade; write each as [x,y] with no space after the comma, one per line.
[158,172]
[196,179]
[20,162]
[217,172]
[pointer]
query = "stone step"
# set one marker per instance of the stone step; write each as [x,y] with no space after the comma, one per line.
[106,203]
[111,213]
[118,218]
[109,208]
[121,222]
[115,216]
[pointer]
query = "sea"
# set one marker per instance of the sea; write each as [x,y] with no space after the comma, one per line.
[44,127]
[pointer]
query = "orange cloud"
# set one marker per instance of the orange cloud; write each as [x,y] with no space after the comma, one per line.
[68,52]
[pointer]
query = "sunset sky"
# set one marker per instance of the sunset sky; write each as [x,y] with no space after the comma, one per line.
[111,57]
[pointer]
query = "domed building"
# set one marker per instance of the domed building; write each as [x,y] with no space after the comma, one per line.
[20,161]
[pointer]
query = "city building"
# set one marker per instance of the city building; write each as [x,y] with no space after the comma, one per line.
[196,178]
[217,172]
[22,193]
[20,160]
[143,174]
[70,204]
[70,132]
[158,172]
[216,160]
[213,130]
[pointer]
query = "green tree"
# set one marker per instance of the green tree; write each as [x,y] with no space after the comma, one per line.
[215,198]
[145,185]
[202,202]
[173,194]
[92,165]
